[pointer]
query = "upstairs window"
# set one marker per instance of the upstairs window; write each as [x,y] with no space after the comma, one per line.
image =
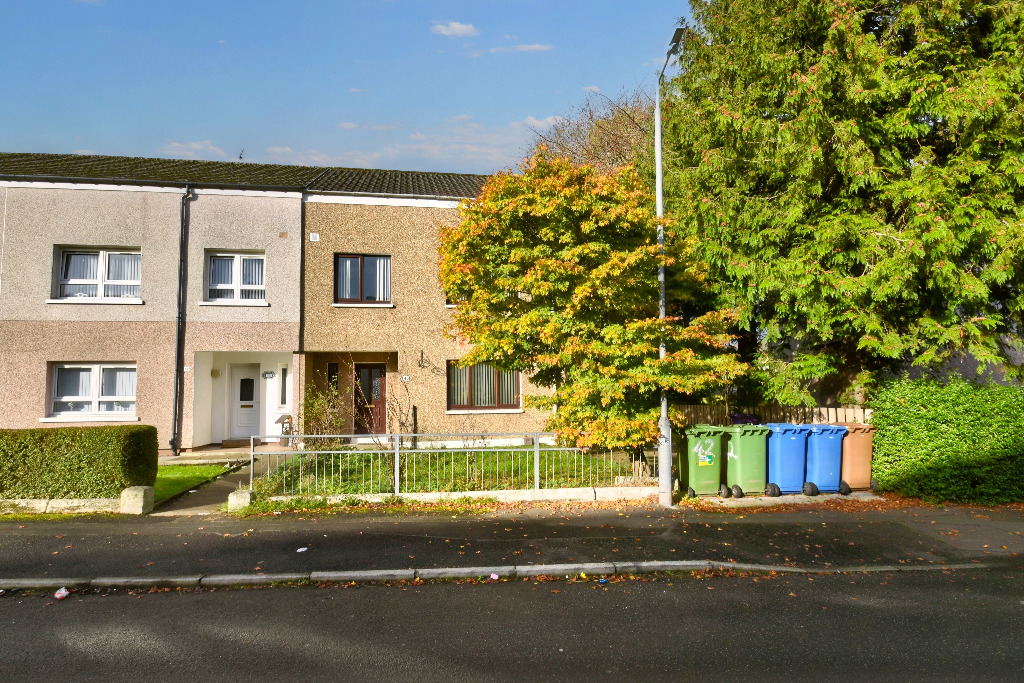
[93,388]
[362,279]
[235,277]
[99,274]
[481,387]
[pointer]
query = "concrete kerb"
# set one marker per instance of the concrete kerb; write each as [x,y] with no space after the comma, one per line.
[243,580]
[505,572]
[434,573]
[142,582]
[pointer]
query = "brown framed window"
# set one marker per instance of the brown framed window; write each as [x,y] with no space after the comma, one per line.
[360,278]
[481,387]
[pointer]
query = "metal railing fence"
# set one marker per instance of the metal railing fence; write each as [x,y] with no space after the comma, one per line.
[356,464]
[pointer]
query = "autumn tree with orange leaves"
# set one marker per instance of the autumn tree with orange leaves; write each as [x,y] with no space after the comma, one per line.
[554,271]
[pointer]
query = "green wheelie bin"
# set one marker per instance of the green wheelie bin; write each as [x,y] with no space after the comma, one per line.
[746,459]
[703,471]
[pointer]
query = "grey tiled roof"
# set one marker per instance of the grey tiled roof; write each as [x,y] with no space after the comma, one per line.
[137,169]
[105,169]
[398,183]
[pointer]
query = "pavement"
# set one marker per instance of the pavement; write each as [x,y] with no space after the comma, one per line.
[205,547]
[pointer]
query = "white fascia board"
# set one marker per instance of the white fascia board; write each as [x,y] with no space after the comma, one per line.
[32,185]
[371,200]
[247,193]
[148,188]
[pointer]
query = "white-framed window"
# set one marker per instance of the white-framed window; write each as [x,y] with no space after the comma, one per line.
[84,389]
[235,277]
[89,274]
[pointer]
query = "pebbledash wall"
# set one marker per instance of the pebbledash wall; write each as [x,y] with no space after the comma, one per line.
[37,329]
[297,233]
[408,334]
[222,335]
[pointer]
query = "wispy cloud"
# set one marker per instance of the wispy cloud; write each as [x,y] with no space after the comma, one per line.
[464,146]
[191,150]
[461,144]
[358,90]
[532,47]
[349,125]
[315,157]
[454,28]
[590,88]
[85,151]
[540,124]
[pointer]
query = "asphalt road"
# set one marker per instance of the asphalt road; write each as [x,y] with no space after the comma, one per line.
[813,539]
[936,625]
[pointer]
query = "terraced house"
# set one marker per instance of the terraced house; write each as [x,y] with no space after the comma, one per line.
[206,298]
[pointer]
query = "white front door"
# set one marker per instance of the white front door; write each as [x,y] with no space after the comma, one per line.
[245,401]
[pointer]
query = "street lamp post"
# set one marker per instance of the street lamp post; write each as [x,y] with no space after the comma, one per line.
[664,427]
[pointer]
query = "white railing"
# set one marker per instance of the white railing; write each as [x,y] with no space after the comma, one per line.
[355,464]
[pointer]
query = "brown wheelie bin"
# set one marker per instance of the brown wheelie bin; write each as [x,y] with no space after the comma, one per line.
[856,468]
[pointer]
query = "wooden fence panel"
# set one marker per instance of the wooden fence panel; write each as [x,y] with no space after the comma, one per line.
[719,414]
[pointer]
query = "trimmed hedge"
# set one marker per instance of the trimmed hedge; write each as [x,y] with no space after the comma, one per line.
[957,441]
[76,462]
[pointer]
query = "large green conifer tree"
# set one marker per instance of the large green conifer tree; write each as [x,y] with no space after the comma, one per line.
[853,173]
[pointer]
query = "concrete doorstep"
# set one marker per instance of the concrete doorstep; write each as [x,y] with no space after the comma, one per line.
[567,571]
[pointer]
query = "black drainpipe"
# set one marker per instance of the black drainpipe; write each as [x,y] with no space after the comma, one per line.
[179,333]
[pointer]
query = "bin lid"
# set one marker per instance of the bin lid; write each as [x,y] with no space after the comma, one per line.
[857,427]
[747,429]
[827,429]
[788,427]
[704,430]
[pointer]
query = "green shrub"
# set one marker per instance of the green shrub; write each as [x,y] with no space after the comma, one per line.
[76,462]
[957,441]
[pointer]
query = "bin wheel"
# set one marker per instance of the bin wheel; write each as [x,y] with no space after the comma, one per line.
[874,484]
[690,493]
[737,492]
[773,490]
[723,491]
[810,489]
[844,488]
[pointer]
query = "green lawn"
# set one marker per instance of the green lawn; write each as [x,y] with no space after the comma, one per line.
[172,479]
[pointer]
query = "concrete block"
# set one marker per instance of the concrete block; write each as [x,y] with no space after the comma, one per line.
[367,575]
[70,505]
[137,500]
[513,496]
[464,572]
[239,500]
[26,505]
[579,494]
[625,492]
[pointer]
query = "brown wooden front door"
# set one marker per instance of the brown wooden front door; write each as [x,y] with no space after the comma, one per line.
[371,398]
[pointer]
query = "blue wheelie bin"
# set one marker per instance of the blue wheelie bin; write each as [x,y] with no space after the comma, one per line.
[787,457]
[824,459]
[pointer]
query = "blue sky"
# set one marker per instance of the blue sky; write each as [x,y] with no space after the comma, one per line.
[403,84]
